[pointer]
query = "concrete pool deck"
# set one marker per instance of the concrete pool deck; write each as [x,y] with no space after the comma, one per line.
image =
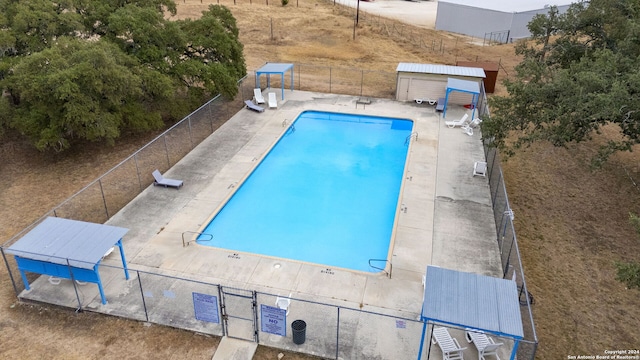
[444,218]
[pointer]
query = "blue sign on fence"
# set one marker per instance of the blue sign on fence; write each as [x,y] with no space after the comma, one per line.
[206,307]
[273,320]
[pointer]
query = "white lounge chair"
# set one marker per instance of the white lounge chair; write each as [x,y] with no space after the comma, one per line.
[251,106]
[480,168]
[162,181]
[273,102]
[485,345]
[455,123]
[283,303]
[468,128]
[257,96]
[451,350]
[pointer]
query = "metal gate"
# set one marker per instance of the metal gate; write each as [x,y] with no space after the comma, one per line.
[239,313]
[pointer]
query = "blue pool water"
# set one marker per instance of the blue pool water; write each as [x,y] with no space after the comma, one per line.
[326,193]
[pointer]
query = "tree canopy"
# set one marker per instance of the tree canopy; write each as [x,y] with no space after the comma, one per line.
[75,70]
[580,71]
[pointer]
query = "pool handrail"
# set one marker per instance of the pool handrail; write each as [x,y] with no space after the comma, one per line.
[383,269]
[185,244]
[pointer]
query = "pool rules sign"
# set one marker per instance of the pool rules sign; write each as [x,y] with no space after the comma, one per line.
[273,320]
[206,307]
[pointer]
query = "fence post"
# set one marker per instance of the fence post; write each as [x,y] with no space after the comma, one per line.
[75,288]
[135,161]
[144,303]
[190,132]
[104,200]
[330,79]
[211,116]
[13,282]
[166,150]
[361,81]
[220,305]
[338,334]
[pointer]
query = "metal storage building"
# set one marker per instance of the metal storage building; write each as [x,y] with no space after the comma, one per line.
[429,82]
[505,17]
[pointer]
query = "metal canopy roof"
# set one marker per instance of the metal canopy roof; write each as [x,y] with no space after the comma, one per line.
[274,68]
[470,300]
[467,86]
[441,70]
[56,239]
[474,301]
[463,85]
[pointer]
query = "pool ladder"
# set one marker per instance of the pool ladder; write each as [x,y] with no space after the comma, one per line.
[186,243]
[412,135]
[382,269]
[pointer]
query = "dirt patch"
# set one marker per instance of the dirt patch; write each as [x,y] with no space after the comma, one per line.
[571,222]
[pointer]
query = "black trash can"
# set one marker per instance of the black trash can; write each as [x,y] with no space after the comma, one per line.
[299,330]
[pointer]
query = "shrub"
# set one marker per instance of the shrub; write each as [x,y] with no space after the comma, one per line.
[629,273]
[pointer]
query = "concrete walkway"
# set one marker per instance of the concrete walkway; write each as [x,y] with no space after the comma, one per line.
[234,349]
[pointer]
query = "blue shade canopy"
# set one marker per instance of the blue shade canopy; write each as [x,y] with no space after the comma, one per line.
[470,300]
[274,68]
[465,86]
[56,239]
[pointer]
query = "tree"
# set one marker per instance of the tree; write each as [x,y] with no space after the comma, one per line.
[91,70]
[580,71]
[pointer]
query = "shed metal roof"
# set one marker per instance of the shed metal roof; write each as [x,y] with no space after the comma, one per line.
[441,69]
[56,239]
[472,300]
[510,6]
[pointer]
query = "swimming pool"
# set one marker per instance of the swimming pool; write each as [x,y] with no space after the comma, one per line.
[326,193]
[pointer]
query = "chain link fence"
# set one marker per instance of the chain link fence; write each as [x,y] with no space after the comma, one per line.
[333,331]
[507,242]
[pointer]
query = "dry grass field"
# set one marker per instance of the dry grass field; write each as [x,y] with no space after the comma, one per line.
[571,222]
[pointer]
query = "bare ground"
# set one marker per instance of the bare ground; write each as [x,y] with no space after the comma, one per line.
[571,222]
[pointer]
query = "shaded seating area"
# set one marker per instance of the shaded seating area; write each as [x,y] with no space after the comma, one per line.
[477,303]
[67,249]
[160,180]
[464,86]
[269,69]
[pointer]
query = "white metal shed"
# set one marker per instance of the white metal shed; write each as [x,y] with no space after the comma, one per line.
[479,19]
[429,82]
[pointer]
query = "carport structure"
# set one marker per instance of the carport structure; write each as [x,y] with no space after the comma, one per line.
[465,86]
[274,68]
[471,301]
[68,249]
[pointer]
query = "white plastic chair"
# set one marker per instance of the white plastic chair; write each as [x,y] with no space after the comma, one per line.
[485,345]
[257,94]
[480,168]
[454,123]
[468,128]
[273,102]
[451,350]
[283,303]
